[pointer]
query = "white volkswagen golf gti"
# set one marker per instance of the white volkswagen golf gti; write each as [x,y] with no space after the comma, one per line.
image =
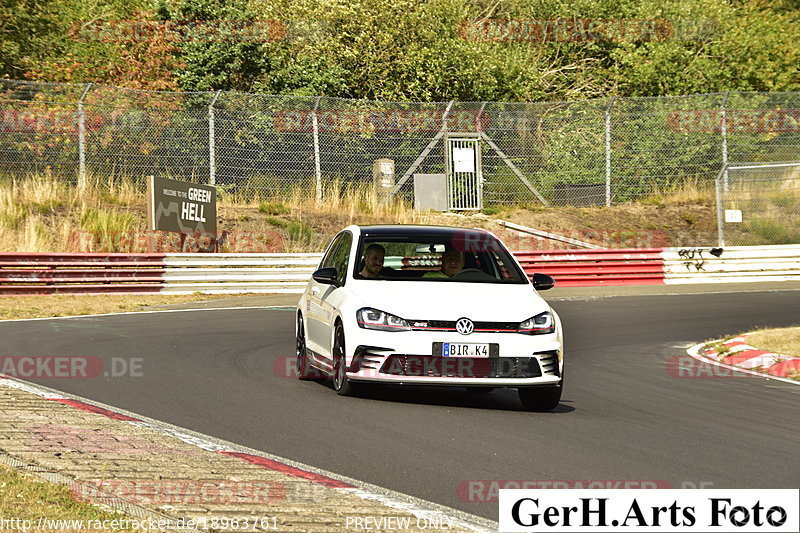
[429,305]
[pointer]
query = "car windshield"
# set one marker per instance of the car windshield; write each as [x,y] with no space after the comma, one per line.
[464,257]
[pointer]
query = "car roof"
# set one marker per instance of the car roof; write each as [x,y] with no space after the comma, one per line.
[416,230]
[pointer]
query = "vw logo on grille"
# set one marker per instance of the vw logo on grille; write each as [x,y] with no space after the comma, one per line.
[465,326]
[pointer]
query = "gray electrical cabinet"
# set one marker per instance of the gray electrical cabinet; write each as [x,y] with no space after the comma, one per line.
[430,192]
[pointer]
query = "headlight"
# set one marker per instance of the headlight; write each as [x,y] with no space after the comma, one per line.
[539,325]
[369,318]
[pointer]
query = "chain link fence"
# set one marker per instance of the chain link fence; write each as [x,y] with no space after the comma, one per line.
[596,152]
[759,203]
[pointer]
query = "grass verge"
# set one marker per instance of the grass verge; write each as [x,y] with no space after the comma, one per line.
[46,305]
[24,497]
[785,341]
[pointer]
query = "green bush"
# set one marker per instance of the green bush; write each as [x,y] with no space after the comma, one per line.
[299,232]
[766,231]
[273,208]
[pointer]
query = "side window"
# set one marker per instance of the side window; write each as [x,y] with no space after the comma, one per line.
[505,270]
[327,261]
[341,257]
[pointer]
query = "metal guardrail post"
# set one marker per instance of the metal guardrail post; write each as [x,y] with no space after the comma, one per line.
[317,166]
[82,139]
[608,152]
[212,149]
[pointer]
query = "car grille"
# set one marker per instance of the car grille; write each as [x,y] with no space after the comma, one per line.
[461,367]
[450,325]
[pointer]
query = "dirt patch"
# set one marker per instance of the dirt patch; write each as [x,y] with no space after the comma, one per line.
[52,305]
[624,226]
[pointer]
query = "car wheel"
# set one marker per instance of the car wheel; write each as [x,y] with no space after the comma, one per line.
[540,398]
[480,390]
[341,384]
[305,371]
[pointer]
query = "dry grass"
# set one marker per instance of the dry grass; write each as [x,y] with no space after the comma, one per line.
[305,224]
[690,191]
[38,214]
[43,306]
[784,341]
[24,497]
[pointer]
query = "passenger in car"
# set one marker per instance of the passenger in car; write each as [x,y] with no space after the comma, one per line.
[452,264]
[373,261]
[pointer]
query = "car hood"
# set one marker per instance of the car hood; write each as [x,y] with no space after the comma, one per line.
[419,300]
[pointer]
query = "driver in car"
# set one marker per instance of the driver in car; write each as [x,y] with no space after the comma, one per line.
[373,261]
[452,264]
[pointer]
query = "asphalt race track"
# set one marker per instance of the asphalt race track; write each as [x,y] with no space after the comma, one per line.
[623,415]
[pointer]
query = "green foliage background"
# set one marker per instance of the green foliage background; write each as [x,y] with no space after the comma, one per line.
[408,50]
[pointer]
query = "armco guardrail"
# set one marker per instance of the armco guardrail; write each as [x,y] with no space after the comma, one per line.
[576,268]
[42,273]
[733,264]
[236,273]
[171,273]
[177,273]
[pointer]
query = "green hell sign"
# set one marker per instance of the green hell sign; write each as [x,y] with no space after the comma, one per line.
[181,207]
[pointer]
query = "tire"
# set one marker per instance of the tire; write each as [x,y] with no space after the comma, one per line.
[540,398]
[341,384]
[480,390]
[305,372]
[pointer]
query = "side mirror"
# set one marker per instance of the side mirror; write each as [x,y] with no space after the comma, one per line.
[542,282]
[326,276]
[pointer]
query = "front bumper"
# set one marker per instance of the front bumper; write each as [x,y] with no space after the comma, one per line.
[407,358]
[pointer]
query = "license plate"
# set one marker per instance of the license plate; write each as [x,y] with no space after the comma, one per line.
[464,349]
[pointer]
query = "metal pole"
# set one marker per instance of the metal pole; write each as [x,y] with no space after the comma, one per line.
[82,139]
[448,159]
[608,152]
[720,223]
[317,166]
[478,125]
[479,156]
[725,140]
[212,149]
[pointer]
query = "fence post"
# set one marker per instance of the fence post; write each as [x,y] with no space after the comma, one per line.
[724,128]
[608,152]
[317,167]
[720,222]
[212,148]
[82,139]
